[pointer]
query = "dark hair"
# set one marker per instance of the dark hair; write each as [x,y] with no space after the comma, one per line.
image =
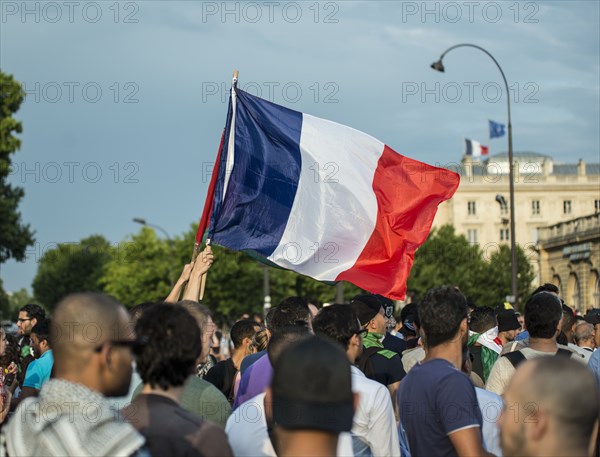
[568,318]
[42,330]
[547,287]
[136,312]
[337,322]
[11,351]
[543,311]
[282,338]
[291,311]
[441,311]
[34,311]
[171,344]
[244,328]
[483,318]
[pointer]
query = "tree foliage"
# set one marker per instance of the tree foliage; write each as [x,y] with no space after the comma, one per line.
[447,258]
[14,235]
[138,270]
[70,268]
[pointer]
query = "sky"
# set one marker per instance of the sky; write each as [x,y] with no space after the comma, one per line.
[126,101]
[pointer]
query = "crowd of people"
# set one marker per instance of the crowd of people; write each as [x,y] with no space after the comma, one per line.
[441,377]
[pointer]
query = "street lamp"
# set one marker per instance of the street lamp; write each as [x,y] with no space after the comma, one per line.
[439,66]
[139,220]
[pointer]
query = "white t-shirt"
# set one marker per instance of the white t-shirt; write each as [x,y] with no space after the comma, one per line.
[491,406]
[503,370]
[247,433]
[374,421]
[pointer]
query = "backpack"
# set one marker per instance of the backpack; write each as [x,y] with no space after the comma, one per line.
[517,357]
[364,363]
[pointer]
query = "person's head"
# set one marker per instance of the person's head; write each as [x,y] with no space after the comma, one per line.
[584,335]
[483,318]
[312,391]
[550,408]
[260,340]
[410,321]
[370,313]
[241,335]
[568,322]
[3,341]
[547,287]
[170,345]
[40,338]
[136,312]
[340,324]
[282,338]
[508,325]
[543,314]
[91,341]
[443,316]
[204,320]
[291,311]
[29,315]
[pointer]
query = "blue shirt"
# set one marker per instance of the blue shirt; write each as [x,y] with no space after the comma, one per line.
[594,364]
[435,399]
[38,371]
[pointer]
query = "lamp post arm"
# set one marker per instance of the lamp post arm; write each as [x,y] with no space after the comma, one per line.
[513,250]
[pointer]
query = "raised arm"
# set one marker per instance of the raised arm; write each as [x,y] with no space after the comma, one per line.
[201,266]
[183,279]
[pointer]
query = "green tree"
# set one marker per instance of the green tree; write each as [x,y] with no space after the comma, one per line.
[138,270]
[4,303]
[16,301]
[70,268]
[16,236]
[447,258]
[498,277]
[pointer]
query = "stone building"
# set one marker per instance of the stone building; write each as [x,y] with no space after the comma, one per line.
[569,254]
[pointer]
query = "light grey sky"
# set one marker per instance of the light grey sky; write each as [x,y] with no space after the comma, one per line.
[127,100]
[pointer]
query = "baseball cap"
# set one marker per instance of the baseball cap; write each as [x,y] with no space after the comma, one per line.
[312,387]
[366,307]
[507,320]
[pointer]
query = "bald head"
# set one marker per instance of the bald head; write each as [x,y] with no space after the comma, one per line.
[560,392]
[584,334]
[82,323]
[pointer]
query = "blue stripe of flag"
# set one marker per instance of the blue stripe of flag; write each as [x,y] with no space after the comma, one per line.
[265,176]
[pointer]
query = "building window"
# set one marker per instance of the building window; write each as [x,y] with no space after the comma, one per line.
[471,208]
[535,207]
[567,207]
[597,206]
[504,234]
[472,235]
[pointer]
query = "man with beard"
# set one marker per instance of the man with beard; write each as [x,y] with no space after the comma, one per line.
[551,408]
[437,403]
[29,315]
[92,342]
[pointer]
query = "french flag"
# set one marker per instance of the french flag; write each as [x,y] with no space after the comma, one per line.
[475,148]
[319,198]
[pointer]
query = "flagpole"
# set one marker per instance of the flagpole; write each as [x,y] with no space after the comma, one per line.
[203,278]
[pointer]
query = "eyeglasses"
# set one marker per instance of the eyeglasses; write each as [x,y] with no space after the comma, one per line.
[23,320]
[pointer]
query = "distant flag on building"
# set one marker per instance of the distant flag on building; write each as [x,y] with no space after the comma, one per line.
[320,198]
[496,129]
[475,149]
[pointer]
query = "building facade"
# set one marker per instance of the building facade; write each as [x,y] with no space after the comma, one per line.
[546,194]
[569,255]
